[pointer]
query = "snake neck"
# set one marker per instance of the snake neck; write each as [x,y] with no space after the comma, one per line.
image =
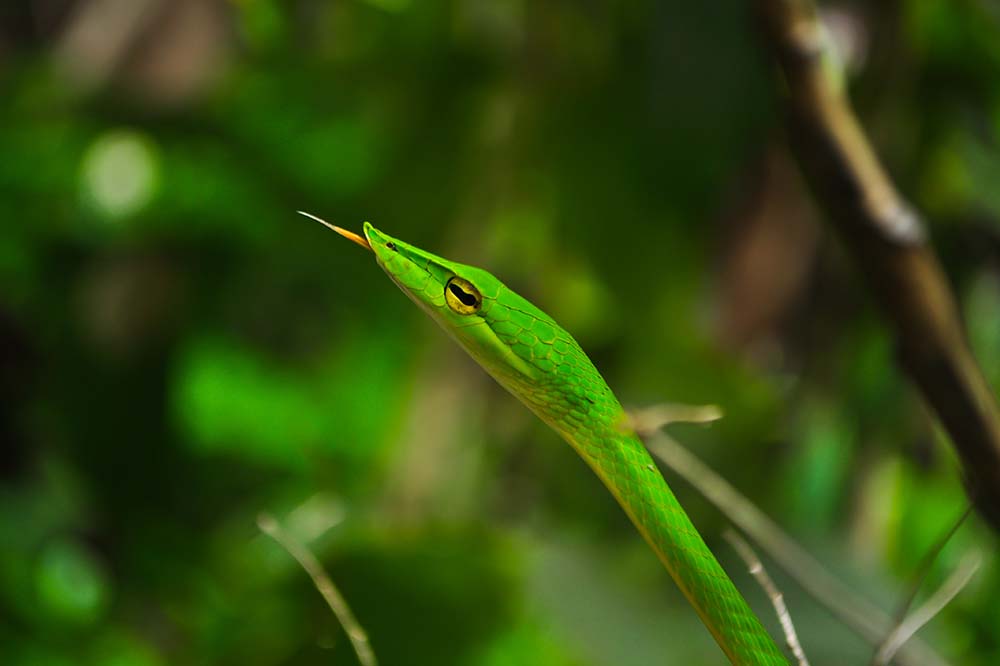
[558,382]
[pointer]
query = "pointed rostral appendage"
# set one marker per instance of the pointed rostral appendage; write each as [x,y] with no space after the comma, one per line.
[349,235]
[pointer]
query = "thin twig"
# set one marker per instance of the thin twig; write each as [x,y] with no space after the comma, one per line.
[655,417]
[334,599]
[757,570]
[855,612]
[925,566]
[888,239]
[949,590]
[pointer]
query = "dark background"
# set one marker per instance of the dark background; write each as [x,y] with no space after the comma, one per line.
[180,351]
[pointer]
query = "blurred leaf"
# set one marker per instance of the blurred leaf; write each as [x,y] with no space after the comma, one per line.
[263,23]
[72,586]
[119,648]
[823,444]
[232,400]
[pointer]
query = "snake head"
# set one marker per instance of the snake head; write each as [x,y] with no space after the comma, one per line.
[469,303]
[517,343]
[514,341]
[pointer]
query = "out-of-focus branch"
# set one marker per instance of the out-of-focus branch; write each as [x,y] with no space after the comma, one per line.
[949,590]
[887,237]
[864,618]
[656,417]
[98,36]
[925,566]
[757,570]
[334,599]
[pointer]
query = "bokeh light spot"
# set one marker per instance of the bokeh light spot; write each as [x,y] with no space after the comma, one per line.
[120,172]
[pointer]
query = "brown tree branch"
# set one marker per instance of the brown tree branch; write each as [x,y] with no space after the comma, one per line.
[887,237]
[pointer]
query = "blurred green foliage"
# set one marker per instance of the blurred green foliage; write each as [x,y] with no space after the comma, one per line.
[179,350]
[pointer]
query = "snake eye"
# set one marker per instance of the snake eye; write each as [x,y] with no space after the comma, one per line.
[462,296]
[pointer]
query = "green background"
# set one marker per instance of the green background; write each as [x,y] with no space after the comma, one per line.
[180,351]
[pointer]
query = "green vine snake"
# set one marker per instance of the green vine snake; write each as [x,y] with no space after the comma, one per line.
[544,367]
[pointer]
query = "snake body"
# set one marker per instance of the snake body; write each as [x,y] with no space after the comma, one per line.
[543,366]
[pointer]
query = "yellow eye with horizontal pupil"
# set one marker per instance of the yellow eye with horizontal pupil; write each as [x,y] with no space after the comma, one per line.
[461,296]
